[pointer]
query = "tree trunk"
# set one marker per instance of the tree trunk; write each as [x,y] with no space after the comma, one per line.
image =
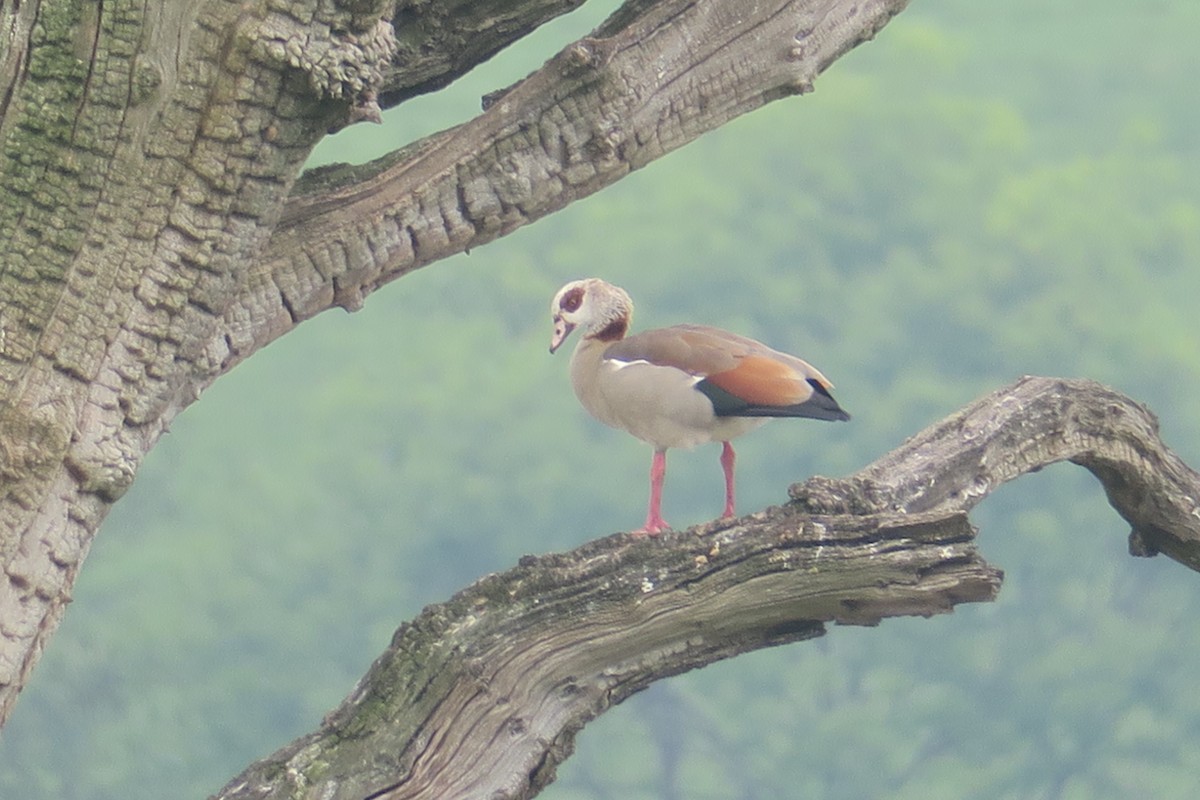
[482,696]
[152,234]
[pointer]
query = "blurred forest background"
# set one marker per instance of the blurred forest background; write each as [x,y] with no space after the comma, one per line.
[987,190]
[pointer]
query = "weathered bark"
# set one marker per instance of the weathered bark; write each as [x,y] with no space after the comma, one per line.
[953,465]
[148,154]
[482,696]
[645,84]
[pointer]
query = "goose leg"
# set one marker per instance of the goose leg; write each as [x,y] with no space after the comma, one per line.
[727,460]
[658,470]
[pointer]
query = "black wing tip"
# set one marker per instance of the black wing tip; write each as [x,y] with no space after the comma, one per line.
[823,399]
[807,409]
[820,406]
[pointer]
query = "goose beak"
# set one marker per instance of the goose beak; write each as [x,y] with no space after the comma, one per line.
[562,329]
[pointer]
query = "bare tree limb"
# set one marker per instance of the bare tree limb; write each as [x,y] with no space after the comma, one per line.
[482,696]
[655,77]
[953,465]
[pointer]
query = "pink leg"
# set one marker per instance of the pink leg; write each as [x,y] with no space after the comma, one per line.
[727,460]
[658,469]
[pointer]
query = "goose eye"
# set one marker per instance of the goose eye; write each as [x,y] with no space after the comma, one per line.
[572,300]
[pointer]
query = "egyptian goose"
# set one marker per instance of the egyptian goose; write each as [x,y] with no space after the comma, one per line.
[679,386]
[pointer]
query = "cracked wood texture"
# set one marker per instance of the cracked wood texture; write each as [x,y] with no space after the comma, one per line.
[482,696]
[1038,421]
[153,233]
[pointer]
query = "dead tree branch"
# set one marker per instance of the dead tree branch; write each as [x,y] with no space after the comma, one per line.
[482,696]
[954,464]
[652,79]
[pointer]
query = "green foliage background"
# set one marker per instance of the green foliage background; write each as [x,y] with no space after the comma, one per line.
[988,190]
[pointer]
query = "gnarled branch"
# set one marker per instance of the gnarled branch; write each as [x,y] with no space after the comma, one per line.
[653,78]
[954,464]
[482,696]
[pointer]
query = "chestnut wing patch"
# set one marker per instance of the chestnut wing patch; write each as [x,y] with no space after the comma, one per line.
[760,386]
[762,381]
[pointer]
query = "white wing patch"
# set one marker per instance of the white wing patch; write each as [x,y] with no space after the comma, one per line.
[617,364]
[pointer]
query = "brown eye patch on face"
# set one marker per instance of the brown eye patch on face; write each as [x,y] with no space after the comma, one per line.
[572,300]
